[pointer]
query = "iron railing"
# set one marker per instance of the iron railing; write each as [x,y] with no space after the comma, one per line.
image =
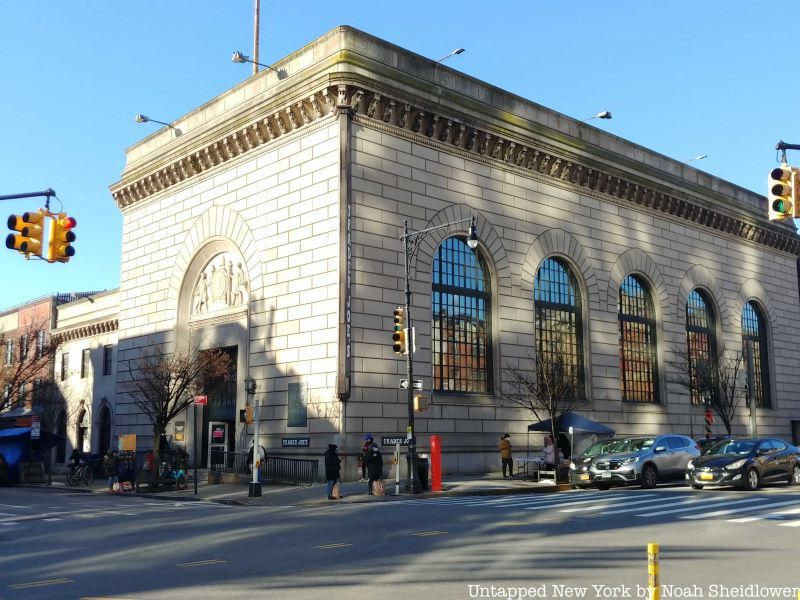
[289,471]
[275,469]
[229,462]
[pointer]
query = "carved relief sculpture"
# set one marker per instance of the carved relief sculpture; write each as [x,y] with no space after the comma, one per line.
[220,286]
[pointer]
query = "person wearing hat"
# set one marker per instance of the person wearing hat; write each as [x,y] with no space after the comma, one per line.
[333,465]
[362,460]
[374,467]
[505,454]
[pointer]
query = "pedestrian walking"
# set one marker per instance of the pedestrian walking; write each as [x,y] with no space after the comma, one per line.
[262,456]
[333,466]
[374,463]
[110,466]
[362,460]
[505,455]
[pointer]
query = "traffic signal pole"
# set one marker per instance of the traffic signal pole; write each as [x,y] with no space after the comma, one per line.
[46,193]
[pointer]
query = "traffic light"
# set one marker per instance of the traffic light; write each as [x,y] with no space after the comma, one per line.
[399,335]
[29,239]
[60,238]
[783,193]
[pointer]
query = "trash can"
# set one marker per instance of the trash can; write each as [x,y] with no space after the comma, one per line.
[423,467]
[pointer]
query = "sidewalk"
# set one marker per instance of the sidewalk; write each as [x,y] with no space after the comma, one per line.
[285,495]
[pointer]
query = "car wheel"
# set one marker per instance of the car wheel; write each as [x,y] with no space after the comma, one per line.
[603,486]
[751,481]
[649,477]
[697,487]
[795,478]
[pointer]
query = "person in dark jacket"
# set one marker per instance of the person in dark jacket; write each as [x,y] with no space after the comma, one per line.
[374,462]
[333,466]
[362,459]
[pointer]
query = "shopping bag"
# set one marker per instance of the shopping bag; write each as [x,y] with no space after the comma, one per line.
[336,492]
[378,488]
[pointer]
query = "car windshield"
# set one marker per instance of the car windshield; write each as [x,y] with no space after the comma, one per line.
[634,444]
[740,447]
[604,447]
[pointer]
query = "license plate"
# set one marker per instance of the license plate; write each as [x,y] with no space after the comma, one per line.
[706,476]
[605,474]
[583,477]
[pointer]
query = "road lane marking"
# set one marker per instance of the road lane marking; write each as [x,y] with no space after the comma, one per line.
[790,524]
[201,563]
[429,533]
[602,506]
[513,524]
[33,584]
[331,546]
[698,506]
[719,513]
[771,515]
[52,519]
[15,506]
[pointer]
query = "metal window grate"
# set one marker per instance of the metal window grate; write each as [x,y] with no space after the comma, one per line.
[461,339]
[637,343]
[754,346]
[702,346]
[558,316]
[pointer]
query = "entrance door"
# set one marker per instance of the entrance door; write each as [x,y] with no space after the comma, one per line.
[217,438]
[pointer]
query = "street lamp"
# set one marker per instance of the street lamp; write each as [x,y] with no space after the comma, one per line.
[700,157]
[255,484]
[601,115]
[238,57]
[411,241]
[146,119]
[453,53]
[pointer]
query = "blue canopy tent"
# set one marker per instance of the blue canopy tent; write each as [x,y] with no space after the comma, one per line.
[15,446]
[578,423]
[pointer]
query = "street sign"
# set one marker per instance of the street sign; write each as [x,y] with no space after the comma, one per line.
[201,400]
[36,427]
[417,384]
[393,440]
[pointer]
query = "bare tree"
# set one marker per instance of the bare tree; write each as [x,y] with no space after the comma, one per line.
[714,379]
[162,384]
[549,392]
[30,363]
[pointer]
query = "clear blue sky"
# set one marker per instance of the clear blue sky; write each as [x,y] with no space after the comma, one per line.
[683,78]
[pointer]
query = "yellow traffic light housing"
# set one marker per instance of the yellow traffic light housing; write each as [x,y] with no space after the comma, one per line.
[784,190]
[399,334]
[29,238]
[61,236]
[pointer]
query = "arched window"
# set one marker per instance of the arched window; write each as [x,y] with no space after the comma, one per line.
[754,345]
[559,335]
[461,306]
[104,442]
[701,343]
[638,360]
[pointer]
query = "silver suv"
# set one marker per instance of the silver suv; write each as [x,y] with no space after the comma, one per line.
[646,460]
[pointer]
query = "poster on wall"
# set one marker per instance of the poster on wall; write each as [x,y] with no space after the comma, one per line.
[180,431]
[127,443]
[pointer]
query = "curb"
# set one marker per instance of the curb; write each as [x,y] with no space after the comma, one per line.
[104,491]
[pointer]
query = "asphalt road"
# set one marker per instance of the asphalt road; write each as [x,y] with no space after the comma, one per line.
[714,544]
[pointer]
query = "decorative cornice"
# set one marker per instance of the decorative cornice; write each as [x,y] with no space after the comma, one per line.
[218,320]
[432,128]
[86,331]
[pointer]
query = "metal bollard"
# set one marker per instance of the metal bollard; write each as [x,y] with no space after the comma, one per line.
[652,571]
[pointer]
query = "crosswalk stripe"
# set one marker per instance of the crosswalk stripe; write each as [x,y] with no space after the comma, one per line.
[719,513]
[666,500]
[790,524]
[602,506]
[699,505]
[621,500]
[777,513]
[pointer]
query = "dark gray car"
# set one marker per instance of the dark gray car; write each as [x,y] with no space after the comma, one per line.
[645,460]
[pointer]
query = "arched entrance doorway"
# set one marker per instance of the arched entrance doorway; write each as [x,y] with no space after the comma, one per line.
[82,432]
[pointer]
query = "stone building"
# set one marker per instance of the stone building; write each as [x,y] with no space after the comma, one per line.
[267,222]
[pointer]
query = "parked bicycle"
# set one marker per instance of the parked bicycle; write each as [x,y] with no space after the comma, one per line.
[80,473]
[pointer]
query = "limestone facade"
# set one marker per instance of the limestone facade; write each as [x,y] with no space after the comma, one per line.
[271,225]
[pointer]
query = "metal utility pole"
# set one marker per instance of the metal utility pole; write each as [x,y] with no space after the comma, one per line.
[256,19]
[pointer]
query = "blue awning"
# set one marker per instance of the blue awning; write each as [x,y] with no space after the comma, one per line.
[14,432]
